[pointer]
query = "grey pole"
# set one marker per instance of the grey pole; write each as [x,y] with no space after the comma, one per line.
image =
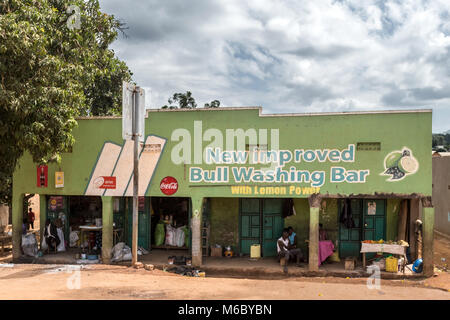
[135,175]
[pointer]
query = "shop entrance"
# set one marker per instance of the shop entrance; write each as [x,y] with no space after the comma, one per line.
[369,217]
[69,213]
[261,222]
[170,221]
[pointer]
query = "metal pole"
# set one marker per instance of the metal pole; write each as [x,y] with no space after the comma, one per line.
[135,175]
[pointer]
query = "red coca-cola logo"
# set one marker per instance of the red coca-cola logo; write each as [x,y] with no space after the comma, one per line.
[168,185]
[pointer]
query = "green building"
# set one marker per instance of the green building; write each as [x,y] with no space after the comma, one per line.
[245,175]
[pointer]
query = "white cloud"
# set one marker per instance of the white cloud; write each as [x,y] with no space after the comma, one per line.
[291,55]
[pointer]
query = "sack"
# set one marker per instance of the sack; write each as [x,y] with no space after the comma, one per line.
[120,252]
[44,244]
[170,236]
[29,245]
[62,246]
[73,238]
[180,235]
[159,234]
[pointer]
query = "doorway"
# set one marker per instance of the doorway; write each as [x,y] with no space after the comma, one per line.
[369,217]
[261,222]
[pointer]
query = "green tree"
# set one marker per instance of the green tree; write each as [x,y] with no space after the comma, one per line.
[187,101]
[213,104]
[184,101]
[55,64]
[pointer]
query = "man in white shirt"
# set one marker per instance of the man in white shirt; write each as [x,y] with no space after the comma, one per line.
[286,250]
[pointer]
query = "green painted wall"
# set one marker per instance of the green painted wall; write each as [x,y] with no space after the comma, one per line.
[412,130]
[224,222]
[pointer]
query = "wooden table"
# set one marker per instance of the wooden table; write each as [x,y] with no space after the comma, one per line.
[87,228]
[383,248]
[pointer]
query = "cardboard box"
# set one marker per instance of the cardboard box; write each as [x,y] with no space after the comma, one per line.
[216,252]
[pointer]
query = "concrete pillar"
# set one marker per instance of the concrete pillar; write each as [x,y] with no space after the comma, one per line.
[107,229]
[314,209]
[196,231]
[42,215]
[428,236]
[17,220]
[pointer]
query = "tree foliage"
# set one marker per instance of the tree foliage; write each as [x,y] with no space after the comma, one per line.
[50,74]
[441,140]
[187,101]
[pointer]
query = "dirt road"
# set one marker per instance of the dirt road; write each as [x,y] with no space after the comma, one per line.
[118,282]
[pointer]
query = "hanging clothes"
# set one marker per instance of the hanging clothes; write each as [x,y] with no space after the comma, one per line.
[346,217]
[288,208]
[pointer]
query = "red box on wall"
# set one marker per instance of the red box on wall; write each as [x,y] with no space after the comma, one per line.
[42,176]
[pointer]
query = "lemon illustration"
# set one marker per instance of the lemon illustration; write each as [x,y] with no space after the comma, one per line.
[408,164]
[400,163]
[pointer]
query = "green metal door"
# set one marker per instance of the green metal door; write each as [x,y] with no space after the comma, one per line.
[350,238]
[143,223]
[250,224]
[374,219]
[273,225]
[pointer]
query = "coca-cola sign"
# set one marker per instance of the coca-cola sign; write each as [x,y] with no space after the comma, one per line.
[168,185]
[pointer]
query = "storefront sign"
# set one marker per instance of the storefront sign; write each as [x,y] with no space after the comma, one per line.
[42,176]
[168,185]
[59,179]
[105,182]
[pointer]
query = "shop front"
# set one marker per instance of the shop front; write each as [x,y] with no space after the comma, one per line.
[234,177]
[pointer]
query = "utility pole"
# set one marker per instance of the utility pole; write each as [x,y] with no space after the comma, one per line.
[134,241]
[133,128]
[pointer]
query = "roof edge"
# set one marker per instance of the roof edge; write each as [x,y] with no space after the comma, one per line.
[261,114]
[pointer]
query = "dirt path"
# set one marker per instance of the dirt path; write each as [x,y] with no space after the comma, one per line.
[120,282]
[117,282]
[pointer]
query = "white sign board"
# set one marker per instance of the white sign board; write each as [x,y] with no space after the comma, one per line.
[371,208]
[130,96]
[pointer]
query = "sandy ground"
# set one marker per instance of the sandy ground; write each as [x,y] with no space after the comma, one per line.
[31,281]
[120,282]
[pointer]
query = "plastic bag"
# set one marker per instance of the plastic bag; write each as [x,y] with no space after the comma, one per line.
[29,245]
[159,234]
[120,252]
[170,236]
[73,237]
[62,246]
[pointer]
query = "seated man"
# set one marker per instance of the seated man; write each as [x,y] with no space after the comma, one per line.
[293,241]
[51,235]
[286,250]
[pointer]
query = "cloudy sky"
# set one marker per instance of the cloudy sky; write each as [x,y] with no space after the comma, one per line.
[291,55]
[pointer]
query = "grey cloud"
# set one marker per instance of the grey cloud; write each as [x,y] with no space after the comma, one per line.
[329,52]
[337,61]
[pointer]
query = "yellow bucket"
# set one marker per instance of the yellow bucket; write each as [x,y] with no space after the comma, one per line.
[255,251]
[391,264]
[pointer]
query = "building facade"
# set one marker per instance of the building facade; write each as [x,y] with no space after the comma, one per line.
[441,192]
[245,175]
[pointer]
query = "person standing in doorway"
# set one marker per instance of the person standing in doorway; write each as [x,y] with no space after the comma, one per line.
[31,217]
